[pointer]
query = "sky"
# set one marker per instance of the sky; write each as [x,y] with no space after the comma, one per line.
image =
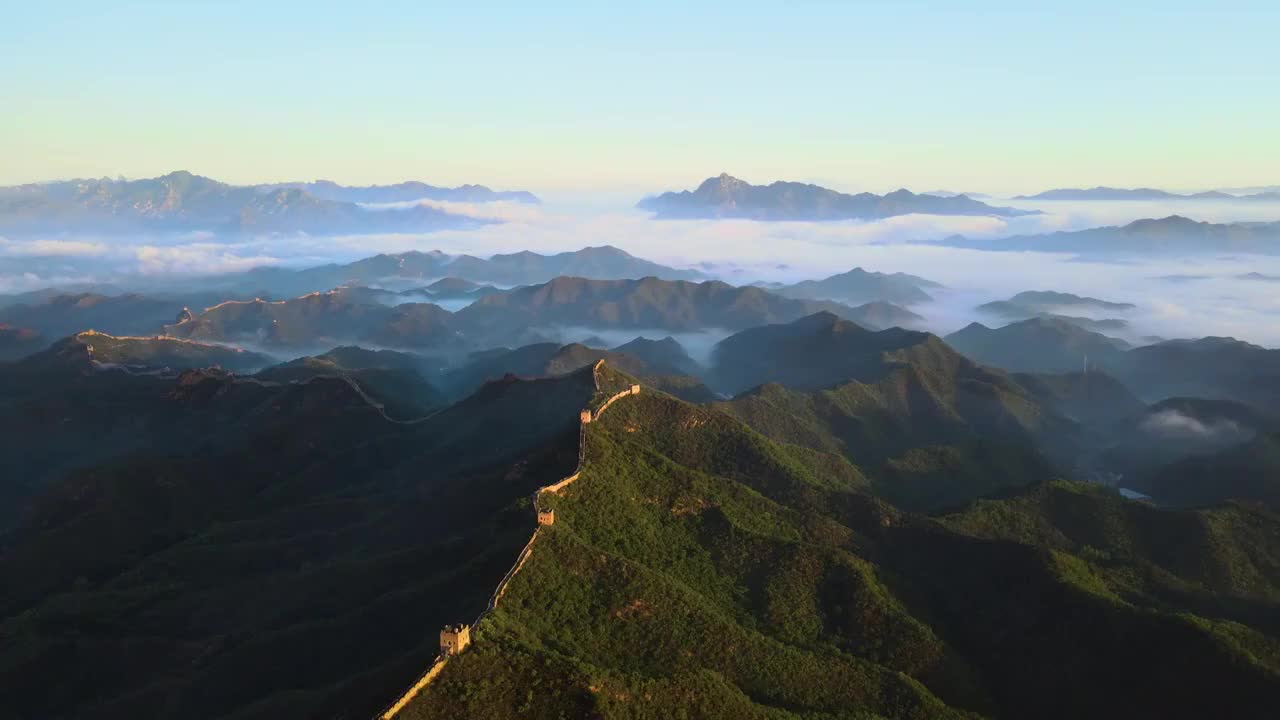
[627,99]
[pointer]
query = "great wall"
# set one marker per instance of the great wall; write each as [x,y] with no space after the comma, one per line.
[459,636]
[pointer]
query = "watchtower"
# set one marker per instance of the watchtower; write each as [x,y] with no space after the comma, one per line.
[635,389]
[546,517]
[585,416]
[454,639]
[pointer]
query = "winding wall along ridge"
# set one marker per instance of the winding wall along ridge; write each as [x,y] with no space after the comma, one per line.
[586,418]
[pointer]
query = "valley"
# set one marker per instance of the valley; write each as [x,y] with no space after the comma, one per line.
[692,361]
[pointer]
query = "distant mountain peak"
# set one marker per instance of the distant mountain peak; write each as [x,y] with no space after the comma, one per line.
[1105,193]
[724,186]
[605,251]
[1170,221]
[181,201]
[1038,344]
[860,286]
[823,319]
[181,175]
[1171,234]
[727,196]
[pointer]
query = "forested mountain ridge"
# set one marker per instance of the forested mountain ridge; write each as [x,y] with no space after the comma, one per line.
[696,567]
[296,563]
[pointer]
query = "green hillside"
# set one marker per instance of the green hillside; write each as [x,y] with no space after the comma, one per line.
[1249,472]
[294,563]
[546,359]
[698,569]
[394,380]
[929,434]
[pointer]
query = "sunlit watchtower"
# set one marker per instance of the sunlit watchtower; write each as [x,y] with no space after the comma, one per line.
[454,639]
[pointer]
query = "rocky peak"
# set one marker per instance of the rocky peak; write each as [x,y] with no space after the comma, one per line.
[723,186]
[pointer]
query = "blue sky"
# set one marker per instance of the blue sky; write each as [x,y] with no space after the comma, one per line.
[561,97]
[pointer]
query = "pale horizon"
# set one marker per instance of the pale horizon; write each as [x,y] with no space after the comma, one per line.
[868,97]
[630,193]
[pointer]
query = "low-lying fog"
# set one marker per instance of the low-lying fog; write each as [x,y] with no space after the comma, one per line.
[1176,297]
[697,344]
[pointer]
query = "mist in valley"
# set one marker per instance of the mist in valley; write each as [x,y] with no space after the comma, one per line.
[1176,297]
[698,344]
[430,361]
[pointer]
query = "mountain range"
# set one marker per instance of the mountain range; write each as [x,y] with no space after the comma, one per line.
[1245,472]
[697,568]
[660,364]
[728,197]
[409,269]
[812,352]
[1220,368]
[929,427]
[183,202]
[396,382]
[321,320]
[836,516]
[59,315]
[352,315]
[860,286]
[1109,193]
[1035,302]
[456,288]
[1039,344]
[1212,368]
[348,314]
[666,354]
[257,525]
[158,353]
[649,303]
[1172,234]
[1144,445]
[952,193]
[863,522]
[409,191]
[1049,306]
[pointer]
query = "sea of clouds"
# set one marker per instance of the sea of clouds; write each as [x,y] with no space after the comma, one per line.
[1176,297]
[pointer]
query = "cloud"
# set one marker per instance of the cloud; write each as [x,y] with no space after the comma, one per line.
[1171,424]
[27,281]
[1073,215]
[742,251]
[734,245]
[1218,302]
[196,259]
[52,248]
[504,210]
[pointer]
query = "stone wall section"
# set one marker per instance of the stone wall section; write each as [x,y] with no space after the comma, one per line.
[416,688]
[586,418]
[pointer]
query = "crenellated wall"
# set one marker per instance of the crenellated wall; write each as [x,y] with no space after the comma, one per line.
[560,485]
[413,691]
[633,390]
[585,419]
